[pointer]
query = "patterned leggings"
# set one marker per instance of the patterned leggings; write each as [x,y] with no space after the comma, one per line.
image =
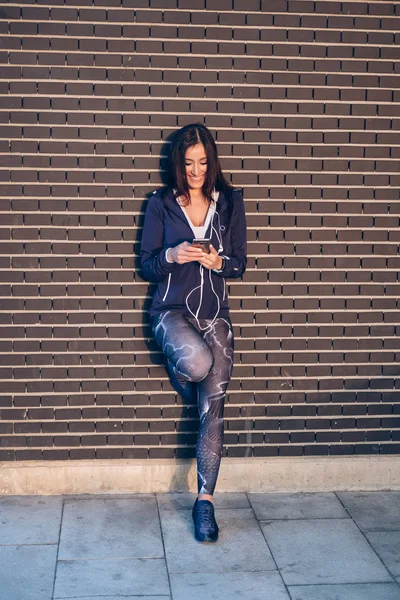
[200,361]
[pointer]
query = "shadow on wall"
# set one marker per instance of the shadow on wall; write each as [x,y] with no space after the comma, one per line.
[166,181]
[184,428]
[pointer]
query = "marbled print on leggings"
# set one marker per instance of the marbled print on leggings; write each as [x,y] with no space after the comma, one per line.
[200,359]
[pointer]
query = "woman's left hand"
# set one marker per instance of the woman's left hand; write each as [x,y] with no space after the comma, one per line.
[211,260]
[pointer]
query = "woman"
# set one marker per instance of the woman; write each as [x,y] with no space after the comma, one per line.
[190,312]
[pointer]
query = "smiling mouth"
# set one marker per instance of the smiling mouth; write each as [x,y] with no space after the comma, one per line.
[196,178]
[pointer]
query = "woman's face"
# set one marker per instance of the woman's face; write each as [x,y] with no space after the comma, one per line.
[196,166]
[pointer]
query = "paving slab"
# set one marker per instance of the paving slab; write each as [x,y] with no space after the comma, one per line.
[98,578]
[387,545]
[357,591]
[111,528]
[117,496]
[240,547]
[27,572]
[30,519]
[185,500]
[144,597]
[323,551]
[297,506]
[228,586]
[373,511]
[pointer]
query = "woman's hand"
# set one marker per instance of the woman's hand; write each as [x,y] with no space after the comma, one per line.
[184,253]
[212,260]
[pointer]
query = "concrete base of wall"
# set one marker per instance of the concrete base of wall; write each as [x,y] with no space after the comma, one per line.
[306,474]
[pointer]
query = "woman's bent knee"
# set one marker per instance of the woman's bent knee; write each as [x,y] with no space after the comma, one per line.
[198,365]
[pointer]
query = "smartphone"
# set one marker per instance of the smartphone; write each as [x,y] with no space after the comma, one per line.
[202,243]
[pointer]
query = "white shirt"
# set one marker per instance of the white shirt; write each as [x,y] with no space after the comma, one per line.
[198,232]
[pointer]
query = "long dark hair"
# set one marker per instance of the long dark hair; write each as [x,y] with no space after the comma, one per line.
[185,138]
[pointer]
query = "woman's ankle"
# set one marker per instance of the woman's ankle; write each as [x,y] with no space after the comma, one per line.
[208,497]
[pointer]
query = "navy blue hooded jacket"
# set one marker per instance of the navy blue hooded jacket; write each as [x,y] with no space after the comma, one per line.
[189,288]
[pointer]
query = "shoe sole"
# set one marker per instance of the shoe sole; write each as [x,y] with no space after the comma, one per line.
[206,539]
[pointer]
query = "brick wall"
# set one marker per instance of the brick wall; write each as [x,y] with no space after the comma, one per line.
[303,98]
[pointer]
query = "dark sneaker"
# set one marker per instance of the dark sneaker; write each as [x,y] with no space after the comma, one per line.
[205,526]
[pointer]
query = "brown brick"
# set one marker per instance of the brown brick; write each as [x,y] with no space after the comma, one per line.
[290,155]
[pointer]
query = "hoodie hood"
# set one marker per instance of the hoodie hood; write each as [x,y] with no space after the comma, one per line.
[171,204]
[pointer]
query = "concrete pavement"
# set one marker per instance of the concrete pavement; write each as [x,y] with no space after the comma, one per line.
[276,546]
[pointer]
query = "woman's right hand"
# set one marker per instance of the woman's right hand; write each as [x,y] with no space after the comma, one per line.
[184,253]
